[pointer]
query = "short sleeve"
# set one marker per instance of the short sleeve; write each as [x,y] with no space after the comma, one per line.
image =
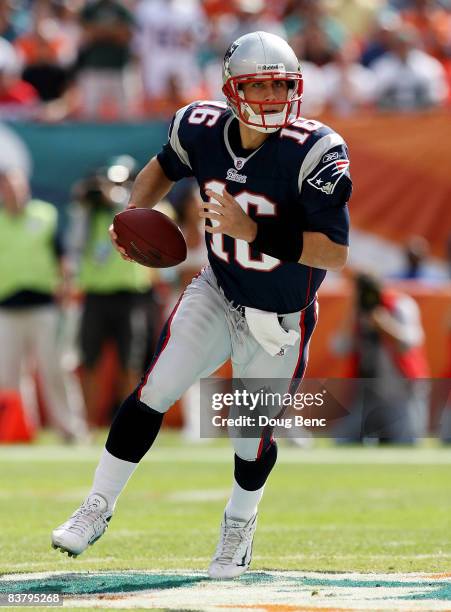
[174,157]
[324,196]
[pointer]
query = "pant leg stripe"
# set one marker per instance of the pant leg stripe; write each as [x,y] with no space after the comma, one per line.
[160,348]
[306,327]
[301,345]
[163,341]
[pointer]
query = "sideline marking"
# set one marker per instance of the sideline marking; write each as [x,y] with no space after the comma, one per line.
[266,591]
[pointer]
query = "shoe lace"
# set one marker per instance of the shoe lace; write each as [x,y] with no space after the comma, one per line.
[83,519]
[231,540]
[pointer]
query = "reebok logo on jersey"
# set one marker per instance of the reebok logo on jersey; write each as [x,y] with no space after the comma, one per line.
[330,157]
[232,175]
[326,178]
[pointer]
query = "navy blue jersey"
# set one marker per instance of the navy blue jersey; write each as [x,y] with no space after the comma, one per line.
[298,176]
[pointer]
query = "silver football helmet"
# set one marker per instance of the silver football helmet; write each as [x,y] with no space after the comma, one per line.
[260,56]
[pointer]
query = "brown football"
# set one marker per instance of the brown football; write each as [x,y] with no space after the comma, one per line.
[149,237]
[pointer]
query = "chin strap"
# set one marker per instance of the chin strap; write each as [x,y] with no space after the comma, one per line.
[257,118]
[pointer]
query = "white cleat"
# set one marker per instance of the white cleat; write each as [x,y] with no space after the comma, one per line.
[234,551]
[84,527]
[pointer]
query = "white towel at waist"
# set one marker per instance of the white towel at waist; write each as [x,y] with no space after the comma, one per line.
[266,329]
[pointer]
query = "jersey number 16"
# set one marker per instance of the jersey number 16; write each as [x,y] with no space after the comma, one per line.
[242,251]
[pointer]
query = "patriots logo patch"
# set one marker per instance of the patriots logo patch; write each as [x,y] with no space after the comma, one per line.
[326,178]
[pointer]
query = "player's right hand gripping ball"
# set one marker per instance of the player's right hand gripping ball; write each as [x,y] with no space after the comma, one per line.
[150,238]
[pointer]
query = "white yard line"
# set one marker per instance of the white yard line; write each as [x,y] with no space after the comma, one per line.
[340,456]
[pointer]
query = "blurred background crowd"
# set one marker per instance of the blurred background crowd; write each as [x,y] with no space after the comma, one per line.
[130,59]
[86,92]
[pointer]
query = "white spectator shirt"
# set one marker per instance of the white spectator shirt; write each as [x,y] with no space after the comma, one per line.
[403,80]
[167,40]
[348,88]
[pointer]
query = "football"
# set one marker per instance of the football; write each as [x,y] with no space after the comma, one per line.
[150,238]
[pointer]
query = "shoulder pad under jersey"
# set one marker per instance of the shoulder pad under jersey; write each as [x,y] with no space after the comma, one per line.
[190,122]
[309,142]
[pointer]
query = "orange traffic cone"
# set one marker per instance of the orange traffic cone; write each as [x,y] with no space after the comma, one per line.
[14,425]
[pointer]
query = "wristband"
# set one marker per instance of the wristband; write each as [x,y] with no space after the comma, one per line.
[280,241]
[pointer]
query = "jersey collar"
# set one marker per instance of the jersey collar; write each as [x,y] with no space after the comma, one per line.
[231,136]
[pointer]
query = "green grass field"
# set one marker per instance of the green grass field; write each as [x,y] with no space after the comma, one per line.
[326,509]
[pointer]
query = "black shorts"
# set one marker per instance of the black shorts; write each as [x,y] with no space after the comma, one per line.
[116,318]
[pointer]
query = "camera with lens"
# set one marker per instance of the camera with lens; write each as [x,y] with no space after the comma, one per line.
[93,192]
[109,185]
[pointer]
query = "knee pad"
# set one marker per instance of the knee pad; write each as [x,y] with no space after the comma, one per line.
[252,475]
[133,430]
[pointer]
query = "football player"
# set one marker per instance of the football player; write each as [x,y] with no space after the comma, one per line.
[275,189]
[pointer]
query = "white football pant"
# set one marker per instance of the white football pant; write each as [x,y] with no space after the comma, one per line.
[205,330]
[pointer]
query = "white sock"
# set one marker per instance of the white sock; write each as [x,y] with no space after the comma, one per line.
[111,476]
[243,504]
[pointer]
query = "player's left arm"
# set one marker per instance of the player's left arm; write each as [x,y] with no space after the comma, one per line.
[324,197]
[319,251]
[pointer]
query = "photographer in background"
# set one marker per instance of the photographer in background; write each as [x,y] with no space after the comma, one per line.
[115,293]
[385,341]
[32,288]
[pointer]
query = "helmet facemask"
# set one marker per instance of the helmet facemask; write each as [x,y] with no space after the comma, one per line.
[260,120]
